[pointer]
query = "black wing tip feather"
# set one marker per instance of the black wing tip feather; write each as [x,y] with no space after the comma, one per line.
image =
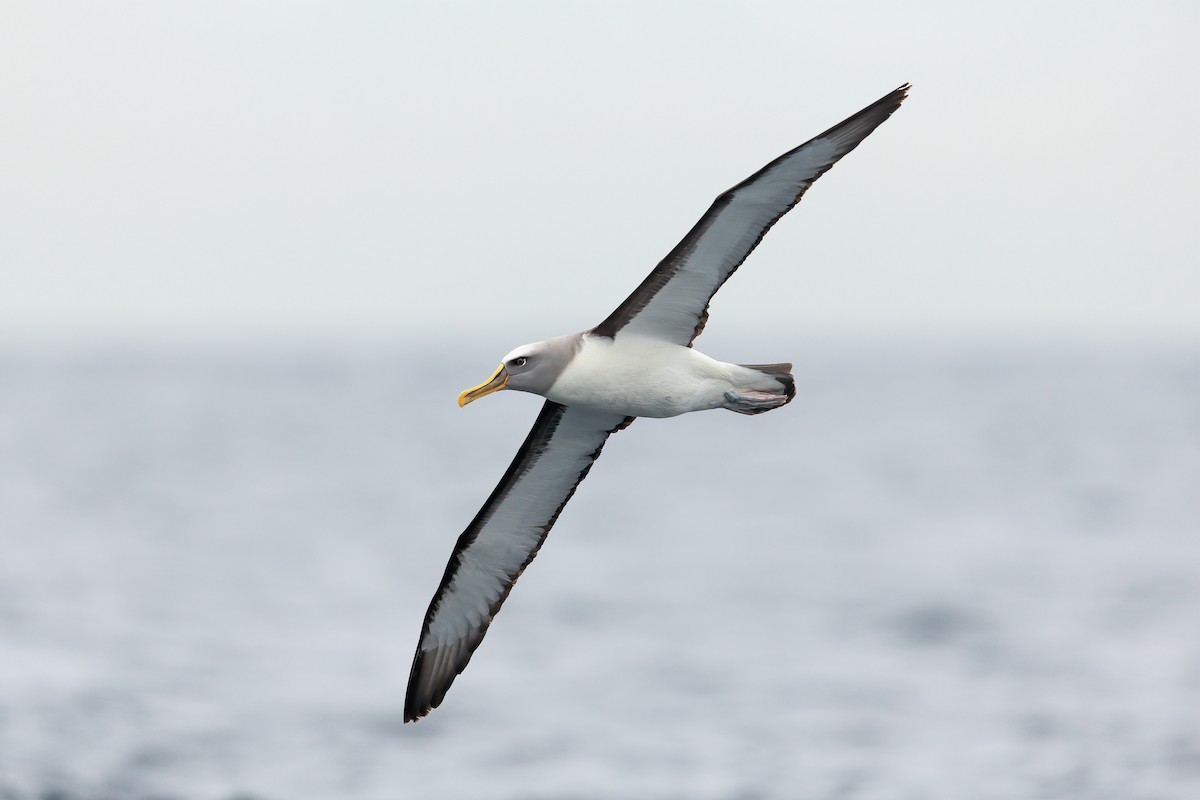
[433,671]
[892,99]
[875,114]
[885,105]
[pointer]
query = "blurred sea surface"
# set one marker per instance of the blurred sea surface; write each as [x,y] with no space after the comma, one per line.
[934,575]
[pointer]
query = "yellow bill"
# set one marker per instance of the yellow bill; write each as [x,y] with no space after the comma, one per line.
[495,383]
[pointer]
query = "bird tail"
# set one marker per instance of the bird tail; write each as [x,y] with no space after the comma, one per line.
[761,387]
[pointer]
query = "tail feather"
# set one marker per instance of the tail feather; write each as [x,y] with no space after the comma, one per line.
[780,372]
[767,386]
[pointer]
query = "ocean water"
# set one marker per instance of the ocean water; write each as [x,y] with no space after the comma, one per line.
[933,575]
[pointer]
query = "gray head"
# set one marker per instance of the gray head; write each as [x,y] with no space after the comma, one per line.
[530,368]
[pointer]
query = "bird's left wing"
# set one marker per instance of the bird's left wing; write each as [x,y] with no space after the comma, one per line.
[672,302]
[500,542]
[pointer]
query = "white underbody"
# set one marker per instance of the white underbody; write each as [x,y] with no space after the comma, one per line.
[645,377]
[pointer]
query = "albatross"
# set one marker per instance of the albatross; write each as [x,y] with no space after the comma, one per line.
[639,362]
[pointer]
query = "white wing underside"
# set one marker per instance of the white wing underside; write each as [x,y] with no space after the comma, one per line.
[503,538]
[672,303]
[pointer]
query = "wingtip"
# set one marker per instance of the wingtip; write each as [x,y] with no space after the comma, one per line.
[428,682]
[893,98]
[418,703]
[416,706]
[413,708]
[897,95]
[433,671]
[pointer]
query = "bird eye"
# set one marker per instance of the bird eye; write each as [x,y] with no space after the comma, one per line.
[520,361]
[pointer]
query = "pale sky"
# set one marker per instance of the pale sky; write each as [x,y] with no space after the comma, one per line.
[510,171]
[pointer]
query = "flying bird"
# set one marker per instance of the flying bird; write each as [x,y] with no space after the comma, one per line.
[638,362]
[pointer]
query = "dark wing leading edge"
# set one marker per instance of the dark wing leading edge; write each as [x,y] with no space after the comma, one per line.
[500,542]
[672,302]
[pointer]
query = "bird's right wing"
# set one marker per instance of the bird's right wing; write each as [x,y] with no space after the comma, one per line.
[500,542]
[672,302]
